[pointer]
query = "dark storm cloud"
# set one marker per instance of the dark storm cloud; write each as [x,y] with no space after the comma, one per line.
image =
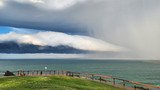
[27,15]
[133,24]
[59,26]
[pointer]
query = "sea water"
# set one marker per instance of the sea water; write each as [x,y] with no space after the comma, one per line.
[141,71]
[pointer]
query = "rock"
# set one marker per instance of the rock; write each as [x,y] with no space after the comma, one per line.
[8,73]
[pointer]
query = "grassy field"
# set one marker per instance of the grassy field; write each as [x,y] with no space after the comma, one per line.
[51,83]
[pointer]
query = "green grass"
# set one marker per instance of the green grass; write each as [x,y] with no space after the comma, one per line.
[51,83]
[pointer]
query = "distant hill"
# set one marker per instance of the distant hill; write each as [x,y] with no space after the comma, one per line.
[12,47]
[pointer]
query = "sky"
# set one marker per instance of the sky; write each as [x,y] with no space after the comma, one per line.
[108,29]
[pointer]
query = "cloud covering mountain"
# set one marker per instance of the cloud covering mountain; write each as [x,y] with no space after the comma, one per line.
[15,48]
[54,39]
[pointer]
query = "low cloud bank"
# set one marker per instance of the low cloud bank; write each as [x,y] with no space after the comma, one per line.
[54,39]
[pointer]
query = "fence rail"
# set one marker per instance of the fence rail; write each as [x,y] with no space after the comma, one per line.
[127,84]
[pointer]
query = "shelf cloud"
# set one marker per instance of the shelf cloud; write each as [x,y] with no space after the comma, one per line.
[48,38]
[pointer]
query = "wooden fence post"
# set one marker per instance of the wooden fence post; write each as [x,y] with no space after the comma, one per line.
[114,81]
[100,78]
[54,72]
[28,73]
[124,83]
[18,73]
[50,72]
[41,73]
[134,87]
[58,72]
[37,72]
[92,77]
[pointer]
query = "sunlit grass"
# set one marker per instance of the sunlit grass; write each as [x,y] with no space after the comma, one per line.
[51,83]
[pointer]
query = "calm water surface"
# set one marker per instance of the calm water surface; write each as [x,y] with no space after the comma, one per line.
[142,71]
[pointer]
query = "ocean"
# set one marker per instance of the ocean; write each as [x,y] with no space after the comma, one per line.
[140,71]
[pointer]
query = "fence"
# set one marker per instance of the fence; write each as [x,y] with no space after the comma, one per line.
[118,82]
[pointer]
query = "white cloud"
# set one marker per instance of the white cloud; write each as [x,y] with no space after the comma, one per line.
[51,4]
[1,3]
[29,1]
[49,38]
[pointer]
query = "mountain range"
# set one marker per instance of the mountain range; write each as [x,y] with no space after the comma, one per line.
[13,47]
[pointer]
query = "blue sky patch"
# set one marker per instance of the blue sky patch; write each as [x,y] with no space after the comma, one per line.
[4,29]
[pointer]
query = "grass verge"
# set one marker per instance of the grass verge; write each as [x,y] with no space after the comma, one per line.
[51,83]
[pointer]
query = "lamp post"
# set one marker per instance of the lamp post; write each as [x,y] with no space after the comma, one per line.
[45,70]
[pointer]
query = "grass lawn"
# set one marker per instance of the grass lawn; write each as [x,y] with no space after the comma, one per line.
[51,83]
